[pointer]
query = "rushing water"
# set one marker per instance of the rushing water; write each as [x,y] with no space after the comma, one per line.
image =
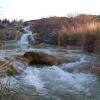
[52,82]
[55,82]
[27,38]
[26,41]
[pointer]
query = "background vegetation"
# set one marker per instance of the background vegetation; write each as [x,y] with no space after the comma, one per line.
[82,30]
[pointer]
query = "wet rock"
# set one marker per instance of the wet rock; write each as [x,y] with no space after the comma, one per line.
[95,70]
[78,69]
[31,39]
[18,34]
[42,58]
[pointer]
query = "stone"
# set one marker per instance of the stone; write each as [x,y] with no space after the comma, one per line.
[16,64]
[95,70]
[33,57]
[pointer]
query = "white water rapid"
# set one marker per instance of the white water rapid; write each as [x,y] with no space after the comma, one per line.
[42,82]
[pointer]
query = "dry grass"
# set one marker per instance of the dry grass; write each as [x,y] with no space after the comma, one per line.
[76,31]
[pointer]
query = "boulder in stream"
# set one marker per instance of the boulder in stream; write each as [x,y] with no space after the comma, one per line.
[18,63]
[34,57]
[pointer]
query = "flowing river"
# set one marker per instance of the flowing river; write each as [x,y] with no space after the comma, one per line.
[42,82]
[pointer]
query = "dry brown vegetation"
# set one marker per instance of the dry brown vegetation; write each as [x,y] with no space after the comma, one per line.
[82,30]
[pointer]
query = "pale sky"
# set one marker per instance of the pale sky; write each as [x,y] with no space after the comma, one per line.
[34,9]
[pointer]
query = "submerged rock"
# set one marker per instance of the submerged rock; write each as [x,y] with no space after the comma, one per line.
[78,69]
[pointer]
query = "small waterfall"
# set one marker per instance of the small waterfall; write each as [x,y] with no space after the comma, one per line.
[27,38]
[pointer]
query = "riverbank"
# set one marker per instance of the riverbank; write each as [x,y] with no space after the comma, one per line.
[82,31]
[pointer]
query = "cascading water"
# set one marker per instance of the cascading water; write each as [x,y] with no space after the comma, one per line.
[27,38]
